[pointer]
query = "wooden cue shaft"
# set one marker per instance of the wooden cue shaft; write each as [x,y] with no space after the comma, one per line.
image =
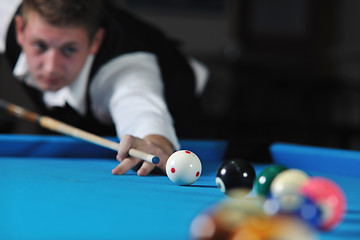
[66,129]
[60,127]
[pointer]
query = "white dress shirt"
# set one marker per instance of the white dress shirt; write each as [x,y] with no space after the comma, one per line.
[127,91]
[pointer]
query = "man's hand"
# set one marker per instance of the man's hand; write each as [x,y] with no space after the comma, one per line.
[153,144]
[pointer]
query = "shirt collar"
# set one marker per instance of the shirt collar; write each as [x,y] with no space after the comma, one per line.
[73,94]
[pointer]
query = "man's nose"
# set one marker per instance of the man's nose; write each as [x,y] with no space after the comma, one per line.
[52,61]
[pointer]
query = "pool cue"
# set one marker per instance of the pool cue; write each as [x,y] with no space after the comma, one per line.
[60,127]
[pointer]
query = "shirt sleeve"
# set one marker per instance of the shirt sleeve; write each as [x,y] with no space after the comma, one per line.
[7,11]
[128,91]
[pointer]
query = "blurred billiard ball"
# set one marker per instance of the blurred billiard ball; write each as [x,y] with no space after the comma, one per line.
[219,221]
[273,227]
[331,199]
[265,178]
[235,176]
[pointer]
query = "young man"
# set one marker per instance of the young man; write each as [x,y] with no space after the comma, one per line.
[100,69]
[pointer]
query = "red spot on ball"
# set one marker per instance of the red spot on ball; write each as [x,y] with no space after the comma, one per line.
[197,174]
[188,152]
[173,170]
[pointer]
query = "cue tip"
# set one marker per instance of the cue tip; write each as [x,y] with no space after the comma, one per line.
[155,160]
[144,156]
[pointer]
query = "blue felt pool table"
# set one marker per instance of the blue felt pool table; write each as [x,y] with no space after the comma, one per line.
[57,187]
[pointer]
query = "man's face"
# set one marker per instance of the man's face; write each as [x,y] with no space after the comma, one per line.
[55,55]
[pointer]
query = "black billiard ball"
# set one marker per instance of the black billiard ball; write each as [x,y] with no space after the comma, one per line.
[235,176]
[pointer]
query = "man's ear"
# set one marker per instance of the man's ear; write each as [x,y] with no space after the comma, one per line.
[19,28]
[97,40]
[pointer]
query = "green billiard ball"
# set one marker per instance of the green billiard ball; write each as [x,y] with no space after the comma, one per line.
[266,176]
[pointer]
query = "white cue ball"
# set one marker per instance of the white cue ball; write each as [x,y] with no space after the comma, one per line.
[183,167]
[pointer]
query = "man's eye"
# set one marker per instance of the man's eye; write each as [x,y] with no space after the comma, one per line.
[68,51]
[40,47]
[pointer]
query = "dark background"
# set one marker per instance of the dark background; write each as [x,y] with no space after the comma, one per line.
[281,70]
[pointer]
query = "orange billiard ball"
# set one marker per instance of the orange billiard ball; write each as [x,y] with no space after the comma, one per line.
[263,227]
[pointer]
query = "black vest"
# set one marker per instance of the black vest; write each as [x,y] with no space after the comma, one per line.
[124,33]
